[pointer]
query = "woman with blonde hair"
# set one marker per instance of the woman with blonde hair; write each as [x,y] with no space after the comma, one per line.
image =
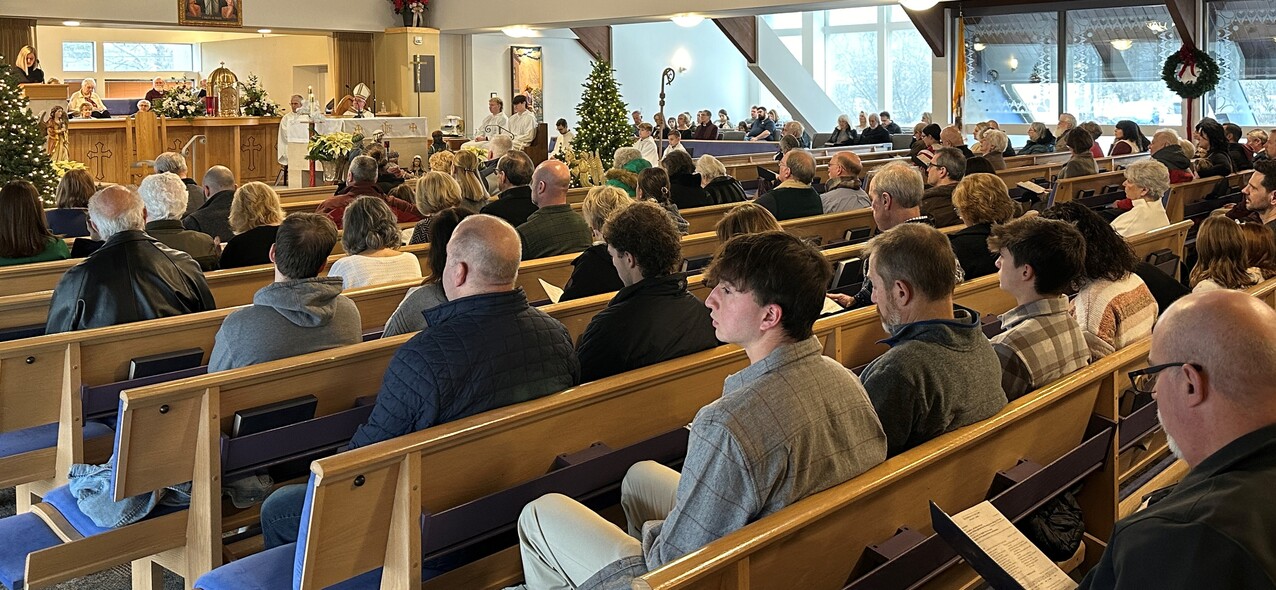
[994,142]
[28,67]
[747,218]
[465,170]
[981,201]
[593,272]
[255,215]
[435,192]
[371,238]
[1221,258]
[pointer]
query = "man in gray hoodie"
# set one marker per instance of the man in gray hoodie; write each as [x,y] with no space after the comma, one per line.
[297,314]
[941,372]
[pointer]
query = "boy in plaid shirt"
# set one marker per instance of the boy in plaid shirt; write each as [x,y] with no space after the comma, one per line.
[1039,260]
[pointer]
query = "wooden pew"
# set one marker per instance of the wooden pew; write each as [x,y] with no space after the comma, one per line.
[1187,193]
[1069,189]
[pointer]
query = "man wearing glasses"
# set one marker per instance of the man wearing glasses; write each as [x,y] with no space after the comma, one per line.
[1216,398]
[942,176]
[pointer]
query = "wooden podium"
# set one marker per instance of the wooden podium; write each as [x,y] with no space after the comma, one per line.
[46,96]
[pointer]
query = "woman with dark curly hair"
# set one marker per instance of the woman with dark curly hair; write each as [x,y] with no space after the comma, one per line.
[1113,304]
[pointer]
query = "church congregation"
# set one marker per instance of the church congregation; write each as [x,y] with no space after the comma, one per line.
[660,348]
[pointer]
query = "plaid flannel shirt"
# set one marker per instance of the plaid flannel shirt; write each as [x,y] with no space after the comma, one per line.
[1041,342]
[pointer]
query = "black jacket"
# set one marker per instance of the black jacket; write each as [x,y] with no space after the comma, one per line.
[1212,531]
[971,247]
[874,135]
[937,202]
[650,321]
[213,218]
[1173,157]
[1241,159]
[198,244]
[791,202]
[592,274]
[725,189]
[686,192]
[840,138]
[478,353]
[132,277]
[514,205]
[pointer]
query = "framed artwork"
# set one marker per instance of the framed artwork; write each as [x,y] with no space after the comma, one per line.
[210,13]
[527,77]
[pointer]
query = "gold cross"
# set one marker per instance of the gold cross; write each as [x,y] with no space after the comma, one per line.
[387,128]
[412,127]
[358,129]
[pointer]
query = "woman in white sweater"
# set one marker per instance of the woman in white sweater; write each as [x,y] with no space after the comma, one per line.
[372,239]
[1113,305]
[1145,183]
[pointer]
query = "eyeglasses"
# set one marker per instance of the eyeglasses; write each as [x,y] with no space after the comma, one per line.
[1144,380]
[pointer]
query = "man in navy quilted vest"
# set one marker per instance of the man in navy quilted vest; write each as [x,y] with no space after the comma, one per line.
[485,348]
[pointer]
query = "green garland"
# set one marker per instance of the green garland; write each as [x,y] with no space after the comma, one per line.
[1190,57]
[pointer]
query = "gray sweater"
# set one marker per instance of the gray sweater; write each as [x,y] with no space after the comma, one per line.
[287,318]
[938,376]
[410,315]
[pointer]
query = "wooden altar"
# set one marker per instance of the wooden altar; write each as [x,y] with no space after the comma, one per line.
[109,147]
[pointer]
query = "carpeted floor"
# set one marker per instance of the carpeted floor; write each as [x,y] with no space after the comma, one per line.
[112,579]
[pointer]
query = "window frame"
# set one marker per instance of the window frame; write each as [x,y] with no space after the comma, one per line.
[189,67]
[93,55]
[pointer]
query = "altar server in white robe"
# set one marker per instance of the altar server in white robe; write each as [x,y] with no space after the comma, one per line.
[522,124]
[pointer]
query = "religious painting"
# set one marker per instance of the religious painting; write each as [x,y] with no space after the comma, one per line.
[527,76]
[210,13]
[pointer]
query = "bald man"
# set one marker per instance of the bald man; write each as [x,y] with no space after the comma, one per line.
[482,349]
[131,277]
[554,228]
[952,137]
[1217,402]
[794,197]
[213,217]
[845,189]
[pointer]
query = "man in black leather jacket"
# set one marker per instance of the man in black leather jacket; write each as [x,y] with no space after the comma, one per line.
[132,277]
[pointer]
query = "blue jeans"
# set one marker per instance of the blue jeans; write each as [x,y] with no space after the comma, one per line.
[281,515]
[91,487]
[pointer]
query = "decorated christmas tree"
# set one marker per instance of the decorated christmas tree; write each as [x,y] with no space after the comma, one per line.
[602,117]
[22,154]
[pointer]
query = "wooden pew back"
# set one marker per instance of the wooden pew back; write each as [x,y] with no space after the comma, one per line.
[1187,193]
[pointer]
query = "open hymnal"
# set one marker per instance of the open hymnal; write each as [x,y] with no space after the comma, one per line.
[553,292]
[925,158]
[992,545]
[1028,185]
[831,306]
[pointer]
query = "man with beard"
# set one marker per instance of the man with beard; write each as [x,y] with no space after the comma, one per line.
[1214,399]
[941,372]
[762,127]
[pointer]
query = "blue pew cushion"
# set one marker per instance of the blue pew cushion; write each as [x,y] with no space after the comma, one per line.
[22,533]
[43,437]
[62,499]
[271,570]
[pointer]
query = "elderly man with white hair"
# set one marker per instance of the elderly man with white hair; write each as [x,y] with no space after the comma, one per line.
[1067,122]
[87,94]
[165,198]
[132,277]
[176,163]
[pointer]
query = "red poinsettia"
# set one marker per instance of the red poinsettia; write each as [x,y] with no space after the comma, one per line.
[401,5]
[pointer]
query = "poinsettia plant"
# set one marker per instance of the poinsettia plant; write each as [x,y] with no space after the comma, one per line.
[401,5]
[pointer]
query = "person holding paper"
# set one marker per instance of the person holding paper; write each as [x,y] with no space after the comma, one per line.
[653,318]
[1215,399]
[792,423]
[592,271]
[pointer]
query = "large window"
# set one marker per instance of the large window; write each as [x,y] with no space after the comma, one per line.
[77,56]
[148,57]
[1242,37]
[1110,60]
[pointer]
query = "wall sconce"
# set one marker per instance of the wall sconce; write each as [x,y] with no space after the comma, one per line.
[1156,26]
[1122,44]
[681,60]
[1014,63]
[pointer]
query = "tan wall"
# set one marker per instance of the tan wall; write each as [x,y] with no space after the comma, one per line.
[49,49]
[394,51]
[281,62]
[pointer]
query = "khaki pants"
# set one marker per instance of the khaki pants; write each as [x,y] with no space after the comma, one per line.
[564,543]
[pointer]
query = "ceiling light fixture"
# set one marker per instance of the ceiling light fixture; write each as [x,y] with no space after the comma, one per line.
[264,31]
[70,23]
[1156,26]
[918,5]
[1121,44]
[980,47]
[519,32]
[686,21]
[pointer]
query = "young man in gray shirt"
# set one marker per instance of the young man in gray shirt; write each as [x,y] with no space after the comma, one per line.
[791,424]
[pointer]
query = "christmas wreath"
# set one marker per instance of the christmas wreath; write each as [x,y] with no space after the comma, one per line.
[1190,73]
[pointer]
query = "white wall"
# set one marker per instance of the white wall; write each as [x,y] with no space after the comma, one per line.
[716,79]
[49,48]
[314,15]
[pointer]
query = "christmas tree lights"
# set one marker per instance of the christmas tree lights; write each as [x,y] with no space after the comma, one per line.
[602,117]
[22,155]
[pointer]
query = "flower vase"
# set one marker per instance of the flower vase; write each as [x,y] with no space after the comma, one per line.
[407,17]
[329,170]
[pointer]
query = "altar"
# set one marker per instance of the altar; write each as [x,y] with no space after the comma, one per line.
[410,136]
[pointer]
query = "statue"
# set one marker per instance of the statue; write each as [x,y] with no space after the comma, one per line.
[56,130]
